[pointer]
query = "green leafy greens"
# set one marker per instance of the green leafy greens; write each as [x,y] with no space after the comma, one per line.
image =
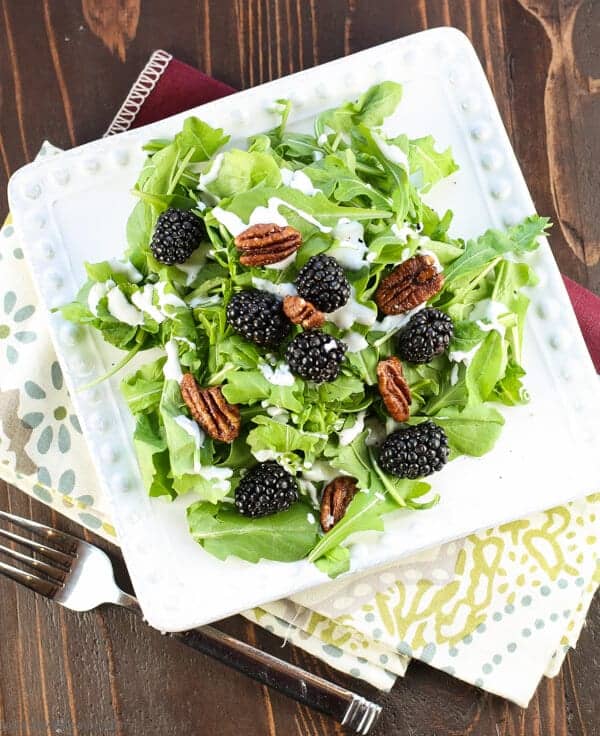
[357,193]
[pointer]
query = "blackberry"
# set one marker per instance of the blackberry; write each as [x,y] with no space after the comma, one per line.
[415,451]
[258,316]
[265,489]
[315,356]
[176,236]
[427,334]
[322,282]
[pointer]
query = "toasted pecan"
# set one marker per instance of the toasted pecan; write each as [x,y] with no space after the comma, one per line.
[335,500]
[303,313]
[263,244]
[411,283]
[220,419]
[394,388]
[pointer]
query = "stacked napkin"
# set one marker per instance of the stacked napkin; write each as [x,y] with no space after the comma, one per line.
[498,609]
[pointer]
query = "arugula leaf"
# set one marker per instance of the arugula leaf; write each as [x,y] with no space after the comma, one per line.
[472,430]
[354,460]
[199,137]
[335,561]
[202,483]
[510,389]
[143,389]
[153,456]
[241,171]
[284,442]
[362,515]
[250,387]
[486,368]
[286,536]
[371,109]
[336,177]
[427,164]
[467,335]
[519,239]
[318,206]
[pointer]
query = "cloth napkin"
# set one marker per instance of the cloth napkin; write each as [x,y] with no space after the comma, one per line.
[498,609]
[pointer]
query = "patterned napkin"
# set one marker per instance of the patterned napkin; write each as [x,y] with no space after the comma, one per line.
[498,609]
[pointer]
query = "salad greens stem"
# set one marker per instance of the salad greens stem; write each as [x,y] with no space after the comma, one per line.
[113,371]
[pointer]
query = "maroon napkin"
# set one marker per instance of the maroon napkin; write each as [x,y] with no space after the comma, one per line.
[167,86]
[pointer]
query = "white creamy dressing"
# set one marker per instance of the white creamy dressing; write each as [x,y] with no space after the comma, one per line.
[321,471]
[192,267]
[351,249]
[317,155]
[126,268]
[276,412]
[97,292]
[405,232]
[230,220]
[486,314]
[454,374]
[167,300]
[204,301]
[322,139]
[311,518]
[211,174]
[298,180]
[352,312]
[329,346]
[391,425]
[347,436]
[355,342]
[192,428]
[143,300]
[394,322]
[262,214]
[220,476]
[278,376]
[280,290]
[123,310]
[376,433]
[463,356]
[392,152]
[308,488]
[185,341]
[172,368]
[267,454]
[282,265]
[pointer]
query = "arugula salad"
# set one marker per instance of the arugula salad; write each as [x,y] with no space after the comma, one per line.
[326,345]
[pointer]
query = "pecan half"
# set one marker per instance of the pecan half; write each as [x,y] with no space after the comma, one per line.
[394,389]
[260,245]
[220,419]
[410,284]
[302,313]
[336,499]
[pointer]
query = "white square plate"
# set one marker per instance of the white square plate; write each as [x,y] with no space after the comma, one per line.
[73,208]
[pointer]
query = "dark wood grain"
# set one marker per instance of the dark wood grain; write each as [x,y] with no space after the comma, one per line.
[64,68]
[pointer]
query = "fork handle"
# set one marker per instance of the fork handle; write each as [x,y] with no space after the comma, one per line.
[351,710]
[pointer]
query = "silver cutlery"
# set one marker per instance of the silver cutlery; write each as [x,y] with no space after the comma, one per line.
[79,576]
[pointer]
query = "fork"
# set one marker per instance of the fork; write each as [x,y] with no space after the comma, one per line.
[80,576]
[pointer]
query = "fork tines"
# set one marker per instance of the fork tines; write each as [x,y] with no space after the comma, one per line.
[58,550]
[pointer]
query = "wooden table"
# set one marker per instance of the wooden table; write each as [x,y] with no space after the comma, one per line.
[64,68]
